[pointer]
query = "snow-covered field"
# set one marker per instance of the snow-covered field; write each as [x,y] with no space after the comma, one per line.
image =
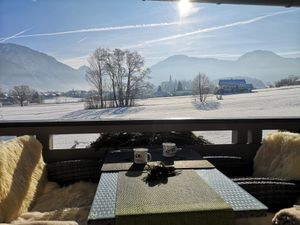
[275,102]
[62,100]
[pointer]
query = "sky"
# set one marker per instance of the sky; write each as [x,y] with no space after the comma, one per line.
[70,30]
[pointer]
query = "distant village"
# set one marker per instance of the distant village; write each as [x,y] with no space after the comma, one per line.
[180,88]
[165,89]
[8,98]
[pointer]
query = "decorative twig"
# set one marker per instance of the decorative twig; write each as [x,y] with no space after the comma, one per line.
[160,171]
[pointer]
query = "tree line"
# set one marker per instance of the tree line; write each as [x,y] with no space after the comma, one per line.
[201,87]
[118,76]
[113,88]
[22,94]
[290,80]
[172,87]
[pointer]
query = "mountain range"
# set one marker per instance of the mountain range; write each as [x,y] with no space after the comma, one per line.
[20,65]
[263,65]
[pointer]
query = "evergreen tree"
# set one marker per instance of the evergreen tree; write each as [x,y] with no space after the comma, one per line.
[159,89]
[179,86]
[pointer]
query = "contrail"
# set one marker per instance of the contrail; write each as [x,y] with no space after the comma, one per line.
[14,36]
[81,40]
[206,30]
[100,29]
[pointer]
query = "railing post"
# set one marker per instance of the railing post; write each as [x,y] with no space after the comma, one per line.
[239,137]
[254,136]
[47,143]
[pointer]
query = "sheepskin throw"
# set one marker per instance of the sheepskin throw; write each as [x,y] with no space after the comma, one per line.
[279,156]
[70,203]
[22,176]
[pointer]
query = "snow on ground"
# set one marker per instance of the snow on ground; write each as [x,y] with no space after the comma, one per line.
[39,112]
[62,100]
[64,141]
[279,102]
[275,102]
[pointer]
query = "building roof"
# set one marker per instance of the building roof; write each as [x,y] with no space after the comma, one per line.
[232,81]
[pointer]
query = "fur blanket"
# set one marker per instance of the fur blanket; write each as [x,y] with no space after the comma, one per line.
[22,175]
[27,198]
[71,203]
[44,223]
[279,156]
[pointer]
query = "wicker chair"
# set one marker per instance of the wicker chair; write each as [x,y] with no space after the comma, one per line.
[68,172]
[273,192]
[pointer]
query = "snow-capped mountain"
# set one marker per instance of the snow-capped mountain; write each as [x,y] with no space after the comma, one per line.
[263,65]
[20,65]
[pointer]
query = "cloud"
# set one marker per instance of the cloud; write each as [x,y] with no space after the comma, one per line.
[215,28]
[153,41]
[14,36]
[99,29]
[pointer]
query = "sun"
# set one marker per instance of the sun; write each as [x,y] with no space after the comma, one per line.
[184,8]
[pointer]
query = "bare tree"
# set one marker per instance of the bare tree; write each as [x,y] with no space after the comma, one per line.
[1,93]
[202,87]
[1,97]
[119,60]
[35,97]
[134,64]
[96,71]
[21,94]
[138,85]
[110,67]
[124,72]
[218,93]
[127,76]
[290,80]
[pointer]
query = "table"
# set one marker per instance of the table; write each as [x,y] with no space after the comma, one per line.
[103,210]
[185,159]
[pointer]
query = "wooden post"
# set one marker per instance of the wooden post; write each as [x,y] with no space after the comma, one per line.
[239,137]
[47,143]
[254,136]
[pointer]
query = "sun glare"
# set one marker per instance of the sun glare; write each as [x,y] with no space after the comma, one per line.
[184,8]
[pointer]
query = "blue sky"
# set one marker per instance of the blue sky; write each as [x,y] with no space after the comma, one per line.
[71,30]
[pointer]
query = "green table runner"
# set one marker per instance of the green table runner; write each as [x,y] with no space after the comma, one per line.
[183,199]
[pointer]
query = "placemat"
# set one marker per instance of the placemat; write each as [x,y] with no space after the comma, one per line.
[184,164]
[182,199]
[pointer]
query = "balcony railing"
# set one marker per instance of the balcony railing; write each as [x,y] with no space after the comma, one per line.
[246,133]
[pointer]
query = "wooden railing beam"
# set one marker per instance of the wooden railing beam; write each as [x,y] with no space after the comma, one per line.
[246,133]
